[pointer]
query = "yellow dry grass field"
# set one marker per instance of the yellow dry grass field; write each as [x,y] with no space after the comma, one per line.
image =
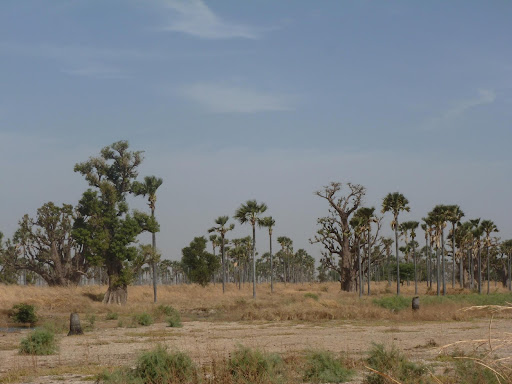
[294,319]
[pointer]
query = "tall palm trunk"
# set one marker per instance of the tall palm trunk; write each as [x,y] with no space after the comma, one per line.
[479,271]
[438,267]
[444,264]
[415,269]
[488,268]
[223,263]
[461,268]
[254,260]
[509,272]
[397,259]
[389,266]
[360,270]
[427,256]
[153,241]
[271,265]
[453,255]
[369,261]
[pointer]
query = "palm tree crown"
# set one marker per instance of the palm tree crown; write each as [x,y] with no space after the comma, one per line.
[395,202]
[249,212]
[148,187]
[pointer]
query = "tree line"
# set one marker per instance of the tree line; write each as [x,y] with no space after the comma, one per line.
[355,250]
[97,239]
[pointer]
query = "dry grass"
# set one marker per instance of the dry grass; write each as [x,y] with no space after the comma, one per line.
[288,302]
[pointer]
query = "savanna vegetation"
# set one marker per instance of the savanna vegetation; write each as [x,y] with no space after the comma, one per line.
[85,257]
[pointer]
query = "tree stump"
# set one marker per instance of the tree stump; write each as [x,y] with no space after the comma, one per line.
[74,325]
[415,303]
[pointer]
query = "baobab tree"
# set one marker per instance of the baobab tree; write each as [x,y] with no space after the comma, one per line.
[395,202]
[222,229]
[105,227]
[249,213]
[335,231]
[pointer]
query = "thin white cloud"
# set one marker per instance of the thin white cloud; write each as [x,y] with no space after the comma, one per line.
[193,17]
[219,98]
[97,72]
[485,97]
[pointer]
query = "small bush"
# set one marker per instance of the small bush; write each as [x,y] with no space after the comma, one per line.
[322,367]
[247,366]
[174,319]
[91,321]
[393,303]
[24,313]
[392,363]
[310,295]
[155,367]
[143,319]
[39,342]
[112,316]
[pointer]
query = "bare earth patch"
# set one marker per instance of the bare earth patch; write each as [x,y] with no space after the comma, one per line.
[82,356]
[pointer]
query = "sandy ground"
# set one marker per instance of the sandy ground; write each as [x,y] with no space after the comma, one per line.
[204,341]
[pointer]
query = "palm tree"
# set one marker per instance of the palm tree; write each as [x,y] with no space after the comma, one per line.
[438,219]
[477,234]
[506,248]
[412,226]
[269,222]
[453,215]
[395,202]
[488,227]
[425,227]
[367,216]
[387,242]
[286,251]
[149,188]
[248,213]
[357,223]
[215,240]
[221,229]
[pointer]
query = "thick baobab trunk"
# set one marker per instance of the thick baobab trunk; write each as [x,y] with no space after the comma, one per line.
[116,295]
[415,303]
[74,325]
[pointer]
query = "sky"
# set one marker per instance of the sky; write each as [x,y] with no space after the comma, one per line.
[267,100]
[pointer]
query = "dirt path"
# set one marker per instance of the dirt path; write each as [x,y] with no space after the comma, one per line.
[205,341]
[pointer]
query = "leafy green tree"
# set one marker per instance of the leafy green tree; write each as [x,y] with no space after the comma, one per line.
[149,187]
[46,246]
[222,229]
[395,202]
[249,213]
[8,252]
[197,262]
[268,222]
[105,228]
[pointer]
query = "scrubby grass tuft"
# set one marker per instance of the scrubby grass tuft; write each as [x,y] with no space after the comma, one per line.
[393,363]
[39,342]
[143,319]
[310,295]
[155,367]
[323,367]
[112,316]
[248,366]
[24,313]
[394,303]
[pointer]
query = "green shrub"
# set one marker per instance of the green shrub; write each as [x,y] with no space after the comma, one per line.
[39,342]
[468,371]
[155,367]
[392,363]
[143,319]
[322,367]
[174,319]
[310,295]
[393,303]
[247,366]
[91,321]
[112,316]
[24,313]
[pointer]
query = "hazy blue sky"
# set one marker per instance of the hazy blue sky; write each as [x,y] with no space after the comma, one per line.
[234,100]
